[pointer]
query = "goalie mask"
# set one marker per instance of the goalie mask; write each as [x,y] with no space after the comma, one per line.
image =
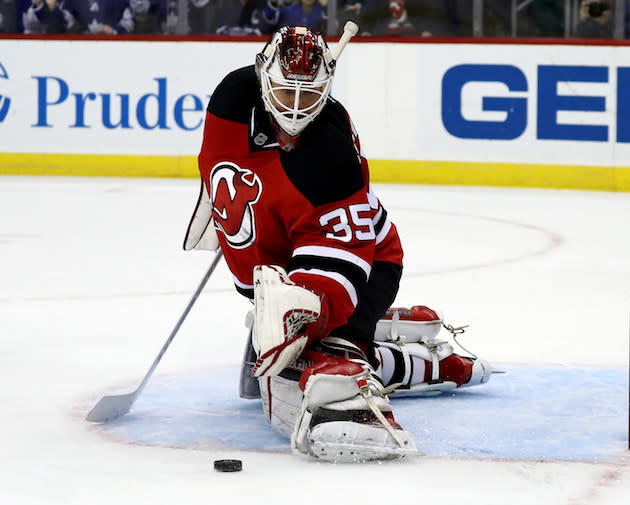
[295,70]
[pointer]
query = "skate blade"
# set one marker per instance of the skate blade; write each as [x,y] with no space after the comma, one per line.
[346,453]
[425,389]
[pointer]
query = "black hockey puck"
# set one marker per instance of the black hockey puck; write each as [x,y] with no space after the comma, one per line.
[228,465]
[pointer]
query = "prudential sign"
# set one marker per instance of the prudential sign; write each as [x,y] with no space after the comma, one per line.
[154,109]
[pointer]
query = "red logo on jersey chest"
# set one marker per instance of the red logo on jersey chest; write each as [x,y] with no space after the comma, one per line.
[235,190]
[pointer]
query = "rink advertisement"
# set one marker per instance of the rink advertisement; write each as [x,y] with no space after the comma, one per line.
[553,115]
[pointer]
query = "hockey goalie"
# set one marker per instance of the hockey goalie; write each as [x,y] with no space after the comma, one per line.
[286,195]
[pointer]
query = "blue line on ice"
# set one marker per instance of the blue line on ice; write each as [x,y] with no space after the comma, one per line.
[531,413]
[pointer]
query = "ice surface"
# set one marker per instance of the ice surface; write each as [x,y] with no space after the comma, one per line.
[93,278]
[533,413]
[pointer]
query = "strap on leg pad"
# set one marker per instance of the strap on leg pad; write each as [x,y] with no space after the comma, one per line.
[434,352]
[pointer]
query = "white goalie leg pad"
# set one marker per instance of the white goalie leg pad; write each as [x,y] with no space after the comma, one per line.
[282,401]
[281,308]
[406,339]
[347,441]
[413,360]
[397,329]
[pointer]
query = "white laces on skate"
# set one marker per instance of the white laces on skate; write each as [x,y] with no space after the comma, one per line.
[367,386]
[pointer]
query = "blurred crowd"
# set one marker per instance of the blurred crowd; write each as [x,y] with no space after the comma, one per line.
[445,18]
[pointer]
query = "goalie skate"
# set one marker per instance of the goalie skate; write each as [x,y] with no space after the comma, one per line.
[414,362]
[344,416]
[346,442]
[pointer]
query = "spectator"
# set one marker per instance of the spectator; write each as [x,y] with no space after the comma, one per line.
[236,17]
[245,19]
[305,13]
[21,7]
[202,15]
[79,16]
[375,16]
[350,10]
[347,10]
[535,19]
[9,10]
[596,19]
[544,18]
[172,16]
[399,23]
[109,17]
[441,18]
[497,18]
[149,15]
[47,16]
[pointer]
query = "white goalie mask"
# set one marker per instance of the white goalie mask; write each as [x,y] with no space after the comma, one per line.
[295,70]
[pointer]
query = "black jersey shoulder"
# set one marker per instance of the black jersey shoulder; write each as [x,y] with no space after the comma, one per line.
[325,167]
[235,95]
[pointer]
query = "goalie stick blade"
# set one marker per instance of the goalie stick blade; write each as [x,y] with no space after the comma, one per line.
[110,408]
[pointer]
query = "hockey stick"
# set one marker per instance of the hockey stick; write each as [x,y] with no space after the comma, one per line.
[112,407]
[350,29]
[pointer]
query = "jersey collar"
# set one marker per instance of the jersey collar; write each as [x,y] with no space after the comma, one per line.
[261,134]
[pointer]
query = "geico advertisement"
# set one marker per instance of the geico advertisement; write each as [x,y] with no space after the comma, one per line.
[501,102]
[467,102]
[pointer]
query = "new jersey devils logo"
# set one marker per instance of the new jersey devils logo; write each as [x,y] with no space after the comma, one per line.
[235,190]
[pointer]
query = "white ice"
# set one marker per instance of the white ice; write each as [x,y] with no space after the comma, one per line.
[93,278]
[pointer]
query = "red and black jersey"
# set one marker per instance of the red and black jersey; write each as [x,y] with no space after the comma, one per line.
[309,210]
